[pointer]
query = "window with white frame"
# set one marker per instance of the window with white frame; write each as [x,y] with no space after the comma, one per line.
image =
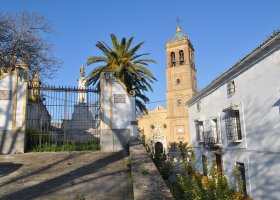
[230,88]
[233,128]
[199,131]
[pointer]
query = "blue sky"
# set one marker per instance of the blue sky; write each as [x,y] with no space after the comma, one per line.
[222,32]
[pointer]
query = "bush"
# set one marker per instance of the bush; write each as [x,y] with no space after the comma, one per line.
[38,141]
[91,146]
[163,164]
[196,186]
[193,185]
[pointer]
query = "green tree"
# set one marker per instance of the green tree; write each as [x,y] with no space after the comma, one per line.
[129,67]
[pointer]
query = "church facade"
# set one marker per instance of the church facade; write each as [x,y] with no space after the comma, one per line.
[163,128]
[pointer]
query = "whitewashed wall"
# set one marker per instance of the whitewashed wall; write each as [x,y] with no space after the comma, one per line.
[123,113]
[258,97]
[12,113]
[118,115]
[6,105]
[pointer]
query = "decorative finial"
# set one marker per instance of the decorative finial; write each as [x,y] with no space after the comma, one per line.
[82,71]
[178,28]
[35,75]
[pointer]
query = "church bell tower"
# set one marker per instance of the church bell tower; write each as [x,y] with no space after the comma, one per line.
[181,86]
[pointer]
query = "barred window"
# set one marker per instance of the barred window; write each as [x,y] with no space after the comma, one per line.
[199,131]
[233,128]
[230,88]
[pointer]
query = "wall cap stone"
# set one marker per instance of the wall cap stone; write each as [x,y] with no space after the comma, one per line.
[146,179]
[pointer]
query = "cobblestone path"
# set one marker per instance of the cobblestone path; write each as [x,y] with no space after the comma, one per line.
[65,175]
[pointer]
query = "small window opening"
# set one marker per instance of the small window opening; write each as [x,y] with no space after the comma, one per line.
[230,88]
[173,60]
[198,106]
[241,178]
[181,58]
[205,165]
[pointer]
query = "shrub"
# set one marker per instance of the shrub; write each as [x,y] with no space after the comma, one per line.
[163,164]
[38,141]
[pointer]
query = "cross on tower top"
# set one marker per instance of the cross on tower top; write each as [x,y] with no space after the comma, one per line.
[178,20]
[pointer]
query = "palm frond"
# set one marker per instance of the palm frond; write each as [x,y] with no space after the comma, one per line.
[134,49]
[95,59]
[114,41]
[139,55]
[145,60]
[129,42]
[129,68]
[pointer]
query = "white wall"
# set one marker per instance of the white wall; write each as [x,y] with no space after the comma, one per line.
[118,115]
[6,106]
[258,97]
[12,113]
[123,113]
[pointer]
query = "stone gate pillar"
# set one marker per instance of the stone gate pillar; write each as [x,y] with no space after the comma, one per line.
[13,103]
[118,116]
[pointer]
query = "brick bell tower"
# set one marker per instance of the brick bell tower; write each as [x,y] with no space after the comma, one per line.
[181,86]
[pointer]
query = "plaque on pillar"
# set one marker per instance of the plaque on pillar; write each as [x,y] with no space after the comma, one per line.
[5,94]
[119,98]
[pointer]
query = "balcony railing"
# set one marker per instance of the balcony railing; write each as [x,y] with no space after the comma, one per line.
[212,138]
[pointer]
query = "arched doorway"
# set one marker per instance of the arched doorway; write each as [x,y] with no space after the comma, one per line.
[158,148]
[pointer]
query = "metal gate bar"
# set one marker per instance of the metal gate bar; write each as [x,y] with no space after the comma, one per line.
[62,114]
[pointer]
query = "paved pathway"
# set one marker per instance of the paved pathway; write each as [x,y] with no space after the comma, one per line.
[65,175]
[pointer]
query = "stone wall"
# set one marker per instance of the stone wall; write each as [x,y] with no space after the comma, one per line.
[146,179]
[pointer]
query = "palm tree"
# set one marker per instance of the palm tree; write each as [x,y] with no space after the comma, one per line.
[130,68]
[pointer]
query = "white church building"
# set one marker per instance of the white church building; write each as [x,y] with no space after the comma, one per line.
[235,122]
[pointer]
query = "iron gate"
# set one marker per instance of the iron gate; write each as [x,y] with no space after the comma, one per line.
[61,115]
